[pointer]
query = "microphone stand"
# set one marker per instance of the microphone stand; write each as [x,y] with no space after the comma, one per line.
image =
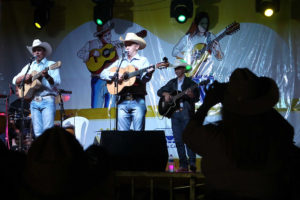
[22,85]
[116,81]
[61,106]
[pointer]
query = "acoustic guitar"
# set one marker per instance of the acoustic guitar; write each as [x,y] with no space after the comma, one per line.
[30,88]
[168,108]
[108,55]
[129,74]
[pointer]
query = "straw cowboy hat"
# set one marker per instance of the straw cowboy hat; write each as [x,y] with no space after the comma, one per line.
[132,37]
[39,43]
[101,29]
[248,94]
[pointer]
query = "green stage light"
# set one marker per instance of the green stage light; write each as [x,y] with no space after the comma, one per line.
[181,10]
[103,12]
[188,67]
[99,22]
[181,18]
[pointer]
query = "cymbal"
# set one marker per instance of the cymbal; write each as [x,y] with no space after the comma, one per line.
[3,96]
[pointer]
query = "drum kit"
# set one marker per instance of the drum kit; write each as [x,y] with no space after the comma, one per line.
[18,130]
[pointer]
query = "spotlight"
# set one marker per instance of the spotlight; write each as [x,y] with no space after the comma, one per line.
[41,12]
[41,17]
[267,7]
[181,10]
[103,11]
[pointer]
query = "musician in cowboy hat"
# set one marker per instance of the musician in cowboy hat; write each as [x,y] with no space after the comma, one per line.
[43,93]
[182,112]
[131,105]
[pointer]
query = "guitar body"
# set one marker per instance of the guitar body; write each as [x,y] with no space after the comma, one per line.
[108,55]
[166,109]
[198,59]
[30,88]
[112,88]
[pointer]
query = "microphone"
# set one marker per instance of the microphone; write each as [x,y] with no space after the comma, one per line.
[33,58]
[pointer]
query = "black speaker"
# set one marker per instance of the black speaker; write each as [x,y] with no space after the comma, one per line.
[136,150]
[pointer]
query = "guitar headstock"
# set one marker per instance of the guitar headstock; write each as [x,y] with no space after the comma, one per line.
[55,65]
[232,28]
[163,64]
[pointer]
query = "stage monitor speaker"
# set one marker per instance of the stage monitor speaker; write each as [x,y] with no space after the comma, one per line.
[136,150]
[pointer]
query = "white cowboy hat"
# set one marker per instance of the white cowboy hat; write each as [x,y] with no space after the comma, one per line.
[132,37]
[39,43]
[100,29]
[180,63]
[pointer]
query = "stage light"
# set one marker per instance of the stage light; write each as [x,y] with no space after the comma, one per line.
[267,7]
[181,10]
[103,11]
[41,17]
[41,12]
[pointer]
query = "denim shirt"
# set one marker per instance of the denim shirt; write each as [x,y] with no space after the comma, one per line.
[46,88]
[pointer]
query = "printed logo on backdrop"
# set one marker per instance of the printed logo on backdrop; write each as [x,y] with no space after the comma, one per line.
[171,142]
[202,88]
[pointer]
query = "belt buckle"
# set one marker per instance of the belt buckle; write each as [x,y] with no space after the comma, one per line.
[38,98]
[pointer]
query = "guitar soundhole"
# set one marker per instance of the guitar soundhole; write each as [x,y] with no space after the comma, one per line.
[106,53]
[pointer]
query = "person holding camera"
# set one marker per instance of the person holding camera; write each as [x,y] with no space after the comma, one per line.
[244,155]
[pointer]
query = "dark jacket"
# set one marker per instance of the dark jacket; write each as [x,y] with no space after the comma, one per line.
[188,103]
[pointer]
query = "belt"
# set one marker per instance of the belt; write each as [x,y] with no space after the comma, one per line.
[40,98]
[130,97]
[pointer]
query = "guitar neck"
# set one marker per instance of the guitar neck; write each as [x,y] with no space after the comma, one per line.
[218,38]
[178,96]
[135,73]
[39,74]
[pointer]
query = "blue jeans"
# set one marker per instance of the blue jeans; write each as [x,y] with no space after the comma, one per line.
[132,111]
[42,114]
[100,96]
[179,121]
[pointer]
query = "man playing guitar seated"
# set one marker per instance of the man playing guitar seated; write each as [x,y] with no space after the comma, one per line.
[131,105]
[185,109]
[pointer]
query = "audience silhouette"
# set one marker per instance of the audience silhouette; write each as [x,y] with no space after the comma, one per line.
[249,153]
